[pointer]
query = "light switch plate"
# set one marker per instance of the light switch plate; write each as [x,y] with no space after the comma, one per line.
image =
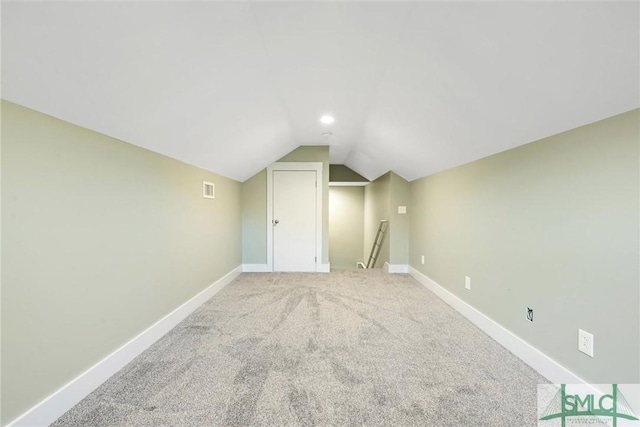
[402,209]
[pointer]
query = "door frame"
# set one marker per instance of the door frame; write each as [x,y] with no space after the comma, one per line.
[294,166]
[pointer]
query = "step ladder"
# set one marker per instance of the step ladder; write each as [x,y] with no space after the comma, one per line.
[377,244]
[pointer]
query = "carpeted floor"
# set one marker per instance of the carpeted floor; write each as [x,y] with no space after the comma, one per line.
[345,348]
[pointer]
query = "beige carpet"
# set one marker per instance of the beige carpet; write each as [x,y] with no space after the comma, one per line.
[345,348]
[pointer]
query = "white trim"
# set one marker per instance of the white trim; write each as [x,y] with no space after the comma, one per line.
[348,183]
[323,268]
[293,166]
[51,408]
[396,268]
[256,268]
[533,357]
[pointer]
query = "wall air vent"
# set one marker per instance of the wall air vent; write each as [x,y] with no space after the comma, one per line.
[208,190]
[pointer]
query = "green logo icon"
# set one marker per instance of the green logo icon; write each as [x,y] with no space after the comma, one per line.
[589,407]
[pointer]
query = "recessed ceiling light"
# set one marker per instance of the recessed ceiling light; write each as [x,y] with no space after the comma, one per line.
[327,119]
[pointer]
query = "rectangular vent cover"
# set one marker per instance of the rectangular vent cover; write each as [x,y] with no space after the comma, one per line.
[208,190]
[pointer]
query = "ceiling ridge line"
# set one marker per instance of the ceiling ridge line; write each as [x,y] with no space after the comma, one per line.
[269,68]
[375,92]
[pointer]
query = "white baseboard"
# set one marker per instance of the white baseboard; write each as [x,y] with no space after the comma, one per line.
[256,268]
[323,268]
[396,268]
[51,408]
[533,357]
[264,268]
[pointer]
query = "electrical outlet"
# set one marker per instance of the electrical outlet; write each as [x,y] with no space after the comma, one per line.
[530,314]
[467,282]
[585,342]
[422,259]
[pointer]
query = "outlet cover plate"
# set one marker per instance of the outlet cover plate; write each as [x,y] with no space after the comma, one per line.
[585,342]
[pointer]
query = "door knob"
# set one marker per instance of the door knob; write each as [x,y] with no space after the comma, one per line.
[276,221]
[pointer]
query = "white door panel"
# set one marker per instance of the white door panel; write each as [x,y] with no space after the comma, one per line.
[294,220]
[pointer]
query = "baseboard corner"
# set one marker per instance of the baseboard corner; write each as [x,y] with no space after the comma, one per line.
[324,268]
[396,268]
[256,268]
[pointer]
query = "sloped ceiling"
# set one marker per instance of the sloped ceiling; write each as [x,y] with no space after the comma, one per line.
[414,87]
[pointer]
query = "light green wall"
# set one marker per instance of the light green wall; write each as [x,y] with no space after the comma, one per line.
[346,226]
[552,225]
[376,208]
[255,188]
[399,191]
[100,240]
[341,173]
[381,201]
[254,219]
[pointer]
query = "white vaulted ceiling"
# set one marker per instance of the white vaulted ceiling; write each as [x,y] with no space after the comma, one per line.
[414,87]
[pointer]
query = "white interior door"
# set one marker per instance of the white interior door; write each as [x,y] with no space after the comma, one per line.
[294,220]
